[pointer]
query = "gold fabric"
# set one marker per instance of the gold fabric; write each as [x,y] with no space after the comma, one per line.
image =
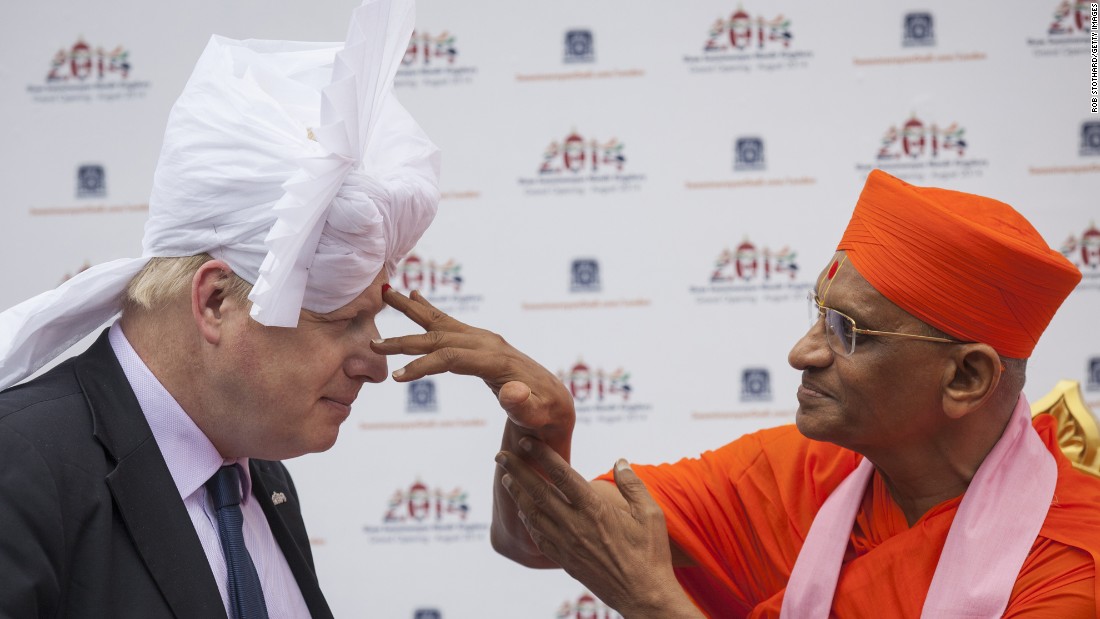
[1078,434]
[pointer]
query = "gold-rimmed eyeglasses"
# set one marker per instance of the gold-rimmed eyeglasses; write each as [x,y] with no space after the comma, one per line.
[841,330]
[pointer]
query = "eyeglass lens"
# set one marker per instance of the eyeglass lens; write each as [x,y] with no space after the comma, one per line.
[839,332]
[838,328]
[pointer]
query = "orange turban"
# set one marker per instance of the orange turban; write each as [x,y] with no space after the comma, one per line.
[970,266]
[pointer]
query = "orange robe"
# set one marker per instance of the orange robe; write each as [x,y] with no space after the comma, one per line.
[743,511]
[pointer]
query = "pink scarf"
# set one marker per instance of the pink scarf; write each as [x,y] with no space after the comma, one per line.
[997,522]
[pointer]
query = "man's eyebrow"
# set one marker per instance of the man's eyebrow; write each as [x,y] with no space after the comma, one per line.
[862,320]
[854,314]
[371,309]
[333,316]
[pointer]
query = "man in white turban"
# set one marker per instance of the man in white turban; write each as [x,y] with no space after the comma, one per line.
[142,477]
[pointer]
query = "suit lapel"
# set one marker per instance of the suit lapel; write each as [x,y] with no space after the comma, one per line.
[289,531]
[144,492]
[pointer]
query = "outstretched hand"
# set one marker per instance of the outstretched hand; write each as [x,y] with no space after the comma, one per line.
[621,554]
[533,398]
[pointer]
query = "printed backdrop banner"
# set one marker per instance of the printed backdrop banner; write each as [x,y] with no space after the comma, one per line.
[638,194]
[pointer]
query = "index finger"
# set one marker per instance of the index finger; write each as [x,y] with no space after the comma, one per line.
[417,309]
[564,477]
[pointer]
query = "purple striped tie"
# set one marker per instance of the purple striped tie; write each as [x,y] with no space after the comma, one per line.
[246,597]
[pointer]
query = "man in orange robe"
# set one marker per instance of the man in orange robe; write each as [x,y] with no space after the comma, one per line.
[877,503]
[742,511]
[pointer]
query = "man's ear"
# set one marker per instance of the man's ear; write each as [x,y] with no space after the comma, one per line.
[970,378]
[208,302]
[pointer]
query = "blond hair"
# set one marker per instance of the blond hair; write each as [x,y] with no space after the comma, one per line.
[165,279]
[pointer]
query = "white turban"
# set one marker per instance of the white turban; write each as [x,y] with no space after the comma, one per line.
[292,162]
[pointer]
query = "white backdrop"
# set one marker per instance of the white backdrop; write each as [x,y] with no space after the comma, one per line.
[637,194]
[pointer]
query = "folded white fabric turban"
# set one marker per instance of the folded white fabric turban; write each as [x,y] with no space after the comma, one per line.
[292,162]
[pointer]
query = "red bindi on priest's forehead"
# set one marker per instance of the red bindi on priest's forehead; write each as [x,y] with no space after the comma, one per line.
[833,269]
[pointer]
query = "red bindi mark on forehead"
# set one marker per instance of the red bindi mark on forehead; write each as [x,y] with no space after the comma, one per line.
[833,269]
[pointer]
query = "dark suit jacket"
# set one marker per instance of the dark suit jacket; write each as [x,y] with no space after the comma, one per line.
[91,523]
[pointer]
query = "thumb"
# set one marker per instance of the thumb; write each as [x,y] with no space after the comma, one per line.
[632,488]
[515,398]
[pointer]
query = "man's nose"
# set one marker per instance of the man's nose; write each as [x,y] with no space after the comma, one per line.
[812,349]
[362,363]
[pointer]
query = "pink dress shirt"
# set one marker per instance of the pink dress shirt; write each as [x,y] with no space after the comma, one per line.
[192,459]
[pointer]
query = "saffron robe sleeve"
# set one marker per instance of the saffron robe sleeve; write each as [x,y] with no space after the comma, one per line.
[743,511]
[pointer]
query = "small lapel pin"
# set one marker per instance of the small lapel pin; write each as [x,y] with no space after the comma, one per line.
[278,498]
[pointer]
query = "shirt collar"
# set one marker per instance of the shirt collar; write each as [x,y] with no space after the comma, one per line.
[191,458]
